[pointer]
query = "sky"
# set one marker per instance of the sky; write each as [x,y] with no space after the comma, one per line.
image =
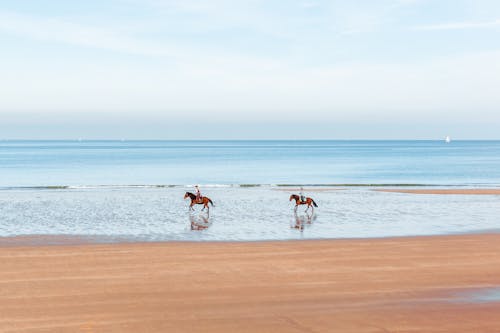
[256,69]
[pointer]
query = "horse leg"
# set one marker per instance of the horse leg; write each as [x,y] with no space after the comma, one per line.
[296,206]
[191,206]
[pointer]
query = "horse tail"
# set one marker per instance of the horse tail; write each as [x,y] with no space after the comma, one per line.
[211,202]
[314,203]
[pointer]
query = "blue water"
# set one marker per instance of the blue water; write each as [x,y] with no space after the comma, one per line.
[481,295]
[74,163]
[94,198]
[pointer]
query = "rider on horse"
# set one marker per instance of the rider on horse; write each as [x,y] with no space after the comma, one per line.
[302,196]
[198,193]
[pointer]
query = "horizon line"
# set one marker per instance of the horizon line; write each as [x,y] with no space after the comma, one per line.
[246,139]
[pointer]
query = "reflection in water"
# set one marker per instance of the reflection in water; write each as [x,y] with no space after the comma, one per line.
[199,221]
[300,221]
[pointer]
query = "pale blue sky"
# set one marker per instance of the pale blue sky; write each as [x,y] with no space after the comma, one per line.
[166,69]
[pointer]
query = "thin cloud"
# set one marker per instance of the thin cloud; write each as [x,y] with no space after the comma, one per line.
[459,26]
[310,4]
[60,31]
[55,30]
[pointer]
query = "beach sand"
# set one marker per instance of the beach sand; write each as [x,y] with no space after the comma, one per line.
[373,285]
[479,191]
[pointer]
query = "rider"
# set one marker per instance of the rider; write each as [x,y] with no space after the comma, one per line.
[198,193]
[301,194]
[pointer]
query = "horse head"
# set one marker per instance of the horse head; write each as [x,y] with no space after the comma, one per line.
[188,195]
[293,197]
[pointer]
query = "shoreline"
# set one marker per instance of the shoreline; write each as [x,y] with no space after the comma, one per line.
[280,186]
[362,285]
[92,240]
[445,191]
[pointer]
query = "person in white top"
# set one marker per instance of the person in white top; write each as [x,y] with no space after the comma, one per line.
[302,196]
[197,192]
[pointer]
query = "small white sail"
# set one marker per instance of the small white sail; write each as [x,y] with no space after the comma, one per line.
[447,139]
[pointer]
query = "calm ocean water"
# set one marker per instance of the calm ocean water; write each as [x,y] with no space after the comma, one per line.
[83,188]
[73,163]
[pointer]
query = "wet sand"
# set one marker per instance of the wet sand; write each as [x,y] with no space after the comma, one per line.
[372,285]
[444,191]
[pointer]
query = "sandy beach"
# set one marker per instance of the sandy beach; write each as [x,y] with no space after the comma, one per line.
[410,284]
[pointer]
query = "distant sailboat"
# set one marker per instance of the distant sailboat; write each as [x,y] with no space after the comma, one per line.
[447,139]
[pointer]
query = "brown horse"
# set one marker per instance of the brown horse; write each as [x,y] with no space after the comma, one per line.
[204,201]
[309,202]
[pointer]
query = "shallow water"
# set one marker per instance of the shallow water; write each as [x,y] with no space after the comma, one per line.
[241,214]
[483,295]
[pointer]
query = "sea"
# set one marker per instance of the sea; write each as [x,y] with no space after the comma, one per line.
[107,191]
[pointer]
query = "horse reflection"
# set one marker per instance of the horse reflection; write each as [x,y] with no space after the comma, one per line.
[199,222]
[300,221]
